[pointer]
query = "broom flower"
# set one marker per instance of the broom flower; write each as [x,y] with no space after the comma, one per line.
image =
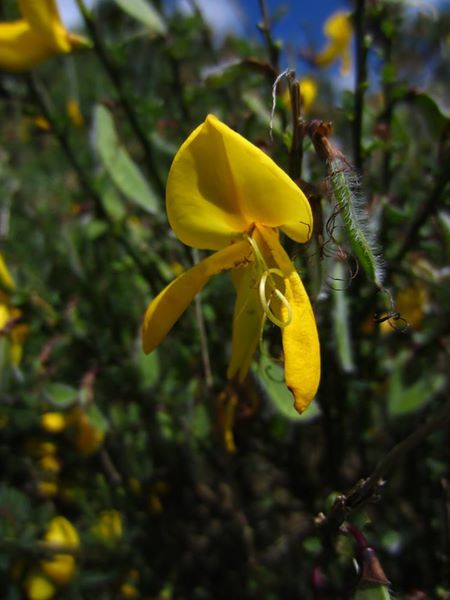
[225,194]
[37,36]
[339,32]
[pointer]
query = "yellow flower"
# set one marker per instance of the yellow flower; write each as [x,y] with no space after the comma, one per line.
[39,35]
[410,304]
[74,112]
[53,422]
[339,31]
[10,324]
[88,438]
[61,567]
[308,94]
[225,194]
[109,527]
[5,276]
[39,587]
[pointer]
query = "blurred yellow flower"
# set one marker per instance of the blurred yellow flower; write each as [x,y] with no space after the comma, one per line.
[47,489]
[88,438]
[39,587]
[53,422]
[39,35]
[410,304]
[10,325]
[50,463]
[5,276]
[127,590]
[339,31]
[74,112]
[61,567]
[308,93]
[225,194]
[40,122]
[109,526]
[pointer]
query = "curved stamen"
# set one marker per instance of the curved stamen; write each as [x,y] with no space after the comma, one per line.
[258,254]
[266,303]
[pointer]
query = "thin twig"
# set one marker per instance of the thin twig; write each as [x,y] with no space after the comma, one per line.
[116,80]
[427,210]
[265,28]
[360,83]
[202,332]
[111,470]
[298,128]
[367,489]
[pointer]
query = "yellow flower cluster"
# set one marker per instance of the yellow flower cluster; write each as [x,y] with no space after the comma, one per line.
[58,570]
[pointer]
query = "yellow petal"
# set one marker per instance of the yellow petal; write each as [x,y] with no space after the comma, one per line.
[308,92]
[300,340]
[5,276]
[39,587]
[300,345]
[60,569]
[5,315]
[220,184]
[43,17]
[267,195]
[338,29]
[201,199]
[169,305]
[20,47]
[247,322]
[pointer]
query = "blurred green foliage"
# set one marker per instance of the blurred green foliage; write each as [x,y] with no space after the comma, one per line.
[218,486]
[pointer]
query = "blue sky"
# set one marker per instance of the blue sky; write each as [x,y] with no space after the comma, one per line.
[299,24]
[226,15]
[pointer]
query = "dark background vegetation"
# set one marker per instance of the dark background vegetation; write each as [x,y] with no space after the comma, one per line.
[203,517]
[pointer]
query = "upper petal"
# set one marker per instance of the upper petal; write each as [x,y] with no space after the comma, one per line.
[168,306]
[201,199]
[220,184]
[266,194]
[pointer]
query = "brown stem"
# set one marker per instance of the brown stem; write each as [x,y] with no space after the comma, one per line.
[367,489]
[298,128]
[265,28]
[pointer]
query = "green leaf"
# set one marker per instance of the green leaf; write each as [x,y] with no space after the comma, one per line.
[118,163]
[403,400]
[200,423]
[97,418]
[271,376]
[145,13]
[60,395]
[112,203]
[149,367]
